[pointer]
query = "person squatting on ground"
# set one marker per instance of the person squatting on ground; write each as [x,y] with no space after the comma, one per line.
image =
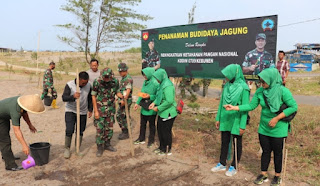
[165,105]
[48,85]
[231,123]
[150,87]
[70,95]
[93,72]
[124,92]
[12,109]
[103,100]
[272,130]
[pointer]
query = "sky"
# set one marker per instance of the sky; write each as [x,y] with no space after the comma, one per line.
[21,20]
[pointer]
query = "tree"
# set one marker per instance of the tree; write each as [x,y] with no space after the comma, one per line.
[102,23]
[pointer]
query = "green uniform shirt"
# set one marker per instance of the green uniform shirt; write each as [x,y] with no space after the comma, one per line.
[126,83]
[233,121]
[10,109]
[105,95]
[48,78]
[150,87]
[281,128]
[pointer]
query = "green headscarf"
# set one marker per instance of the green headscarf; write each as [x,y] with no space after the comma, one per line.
[161,75]
[236,84]
[274,93]
[148,72]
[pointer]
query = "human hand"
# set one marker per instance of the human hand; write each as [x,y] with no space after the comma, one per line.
[217,125]
[25,149]
[151,106]
[155,109]
[96,115]
[89,114]
[135,107]
[253,67]
[32,128]
[229,107]
[76,95]
[242,131]
[122,103]
[273,122]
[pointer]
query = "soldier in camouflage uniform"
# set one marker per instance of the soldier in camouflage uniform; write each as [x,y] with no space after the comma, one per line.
[124,92]
[257,60]
[184,85]
[48,84]
[103,98]
[152,57]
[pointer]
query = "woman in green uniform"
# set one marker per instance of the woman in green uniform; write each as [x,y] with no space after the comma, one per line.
[231,123]
[272,130]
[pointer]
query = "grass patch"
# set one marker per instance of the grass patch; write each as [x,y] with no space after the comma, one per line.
[302,144]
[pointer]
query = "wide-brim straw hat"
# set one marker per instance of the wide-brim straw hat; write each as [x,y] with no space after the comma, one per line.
[31,103]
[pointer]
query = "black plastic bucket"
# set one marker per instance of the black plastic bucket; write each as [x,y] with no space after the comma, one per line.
[40,152]
[47,100]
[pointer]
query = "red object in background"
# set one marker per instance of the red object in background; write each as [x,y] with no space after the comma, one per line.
[180,106]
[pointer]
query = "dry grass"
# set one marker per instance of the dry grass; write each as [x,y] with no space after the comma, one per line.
[303,142]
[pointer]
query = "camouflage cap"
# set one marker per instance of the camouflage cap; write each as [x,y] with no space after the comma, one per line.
[261,36]
[122,67]
[106,72]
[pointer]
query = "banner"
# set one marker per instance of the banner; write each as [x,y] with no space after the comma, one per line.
[203,50]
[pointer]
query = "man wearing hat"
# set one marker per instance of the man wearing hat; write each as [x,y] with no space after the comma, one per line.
[257,59]
[152,57]
[12,109]
[124,92]
[103,99]
[48,84]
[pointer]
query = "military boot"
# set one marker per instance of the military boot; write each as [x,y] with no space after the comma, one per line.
[54,104]
[67,144]
[107,146]
[124,135]
[100,150]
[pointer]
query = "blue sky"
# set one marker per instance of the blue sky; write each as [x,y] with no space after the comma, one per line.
[22,20]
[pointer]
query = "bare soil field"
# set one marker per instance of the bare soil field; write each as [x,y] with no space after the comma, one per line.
[189,164]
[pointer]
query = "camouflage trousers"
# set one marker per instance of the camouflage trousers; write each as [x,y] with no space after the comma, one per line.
[122,117]
[46,90]
[104,127]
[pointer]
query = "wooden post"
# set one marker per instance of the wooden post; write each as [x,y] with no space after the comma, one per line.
[283,152]
[236,154]
[285,166]
[129,126]
[37,73]
[78,116]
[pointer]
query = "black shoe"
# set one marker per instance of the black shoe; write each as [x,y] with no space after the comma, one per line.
[107,146]
[276,181]
[150,144]
[124,135]
[100,150]
[14,168]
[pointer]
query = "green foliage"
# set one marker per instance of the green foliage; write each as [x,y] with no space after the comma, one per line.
[133,50]
[194,106]
[113,22]
[34,55]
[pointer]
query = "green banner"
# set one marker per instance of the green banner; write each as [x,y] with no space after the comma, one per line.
[203,50]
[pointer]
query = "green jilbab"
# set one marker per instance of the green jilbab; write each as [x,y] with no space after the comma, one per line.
[235,92]
[150,86]
[165,97]
[276,95]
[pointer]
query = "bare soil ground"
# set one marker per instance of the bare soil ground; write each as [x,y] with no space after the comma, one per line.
[118,168]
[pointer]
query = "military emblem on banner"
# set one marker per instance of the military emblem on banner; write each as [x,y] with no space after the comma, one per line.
[267,25]
[145,36]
